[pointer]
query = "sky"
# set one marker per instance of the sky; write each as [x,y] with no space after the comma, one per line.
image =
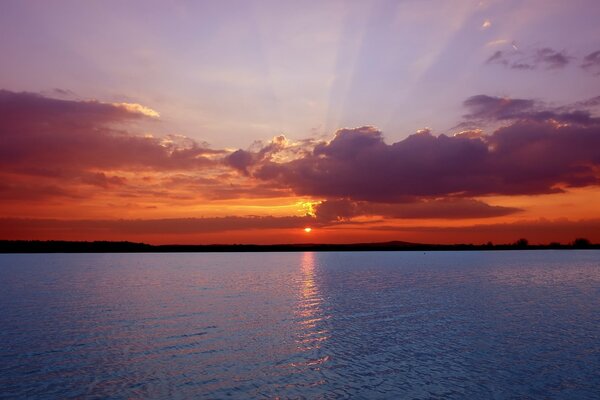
[248,121]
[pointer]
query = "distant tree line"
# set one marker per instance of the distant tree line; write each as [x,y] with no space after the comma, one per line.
[52,246]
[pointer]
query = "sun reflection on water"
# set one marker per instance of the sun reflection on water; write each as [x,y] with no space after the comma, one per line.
[310,315]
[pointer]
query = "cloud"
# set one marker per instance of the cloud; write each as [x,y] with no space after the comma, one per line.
[40,133]
[56,148]
[102,180]
[470,134]
[242,159]
[138,108]
[538,151]
[591,62]
[450,208]
[531,59]
[52,228]
[18,107]
[75,150]
[279,146]
[589,103]
[496,42]
[551,59]
[483,108]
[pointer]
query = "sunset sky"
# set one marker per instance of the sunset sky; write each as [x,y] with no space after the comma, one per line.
[248,121]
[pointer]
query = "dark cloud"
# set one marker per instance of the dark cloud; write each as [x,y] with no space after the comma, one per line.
[497,57]
[241,160]
[551,59]
[102,180]
[496,108]
[483,108]
[61,146]
[37,132]
[24,107]
[531,59]
[539,151]
[589,103]
[591,62]
[451,208]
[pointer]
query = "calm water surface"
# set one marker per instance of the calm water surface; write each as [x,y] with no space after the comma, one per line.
[503,325]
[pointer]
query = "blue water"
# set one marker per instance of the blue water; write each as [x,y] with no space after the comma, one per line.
[408,325]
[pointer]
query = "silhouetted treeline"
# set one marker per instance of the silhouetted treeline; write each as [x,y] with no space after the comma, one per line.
[53,246]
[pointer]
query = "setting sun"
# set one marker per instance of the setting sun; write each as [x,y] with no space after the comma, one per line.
[307,230]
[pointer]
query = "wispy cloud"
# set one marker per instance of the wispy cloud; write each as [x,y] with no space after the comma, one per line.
[545,58]
[591,62]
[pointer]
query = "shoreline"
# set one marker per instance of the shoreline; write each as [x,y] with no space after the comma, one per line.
[34,246]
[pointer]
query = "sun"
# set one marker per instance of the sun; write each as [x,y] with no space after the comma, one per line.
[307,229]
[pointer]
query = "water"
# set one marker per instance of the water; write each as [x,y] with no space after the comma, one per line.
[301,325]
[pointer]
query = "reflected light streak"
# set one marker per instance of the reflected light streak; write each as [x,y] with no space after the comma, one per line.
[309,311]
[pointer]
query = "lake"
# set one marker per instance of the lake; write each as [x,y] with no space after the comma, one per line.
[400,325]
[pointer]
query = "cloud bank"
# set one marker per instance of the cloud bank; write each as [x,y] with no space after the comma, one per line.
[50,147]
[533,155]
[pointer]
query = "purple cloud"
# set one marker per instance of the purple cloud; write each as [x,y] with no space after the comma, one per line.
[551,59]
[539,151]
[546,58]
[449,208]
[483,108]
[41,133]
[591,62]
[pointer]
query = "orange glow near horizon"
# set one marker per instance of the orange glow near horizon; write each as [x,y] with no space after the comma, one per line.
[97,216]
